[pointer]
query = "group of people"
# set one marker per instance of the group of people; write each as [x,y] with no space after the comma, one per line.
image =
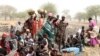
[89,36]
[37,36]
[44,34]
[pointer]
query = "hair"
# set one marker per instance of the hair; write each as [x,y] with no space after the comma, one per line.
[31,49]
[57,16]
[83,27]
[45,35]
[90,19]
[63,16]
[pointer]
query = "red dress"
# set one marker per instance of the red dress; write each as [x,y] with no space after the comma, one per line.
[34,27]
[40,23]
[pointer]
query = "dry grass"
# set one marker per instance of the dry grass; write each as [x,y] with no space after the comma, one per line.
[92,51]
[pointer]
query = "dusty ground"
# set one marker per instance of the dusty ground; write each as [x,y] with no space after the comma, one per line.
[88,51]
[91,51]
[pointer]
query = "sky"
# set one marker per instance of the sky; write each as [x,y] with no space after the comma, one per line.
[73,6]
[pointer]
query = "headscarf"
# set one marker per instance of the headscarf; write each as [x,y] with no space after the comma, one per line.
[4,35]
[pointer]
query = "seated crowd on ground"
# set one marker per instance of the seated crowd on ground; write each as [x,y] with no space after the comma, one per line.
[24,38]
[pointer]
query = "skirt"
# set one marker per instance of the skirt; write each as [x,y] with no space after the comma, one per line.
[93,41]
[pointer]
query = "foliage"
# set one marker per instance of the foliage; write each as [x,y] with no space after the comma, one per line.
[93,11]
[7,11]
[90,12]
[81,15]
[21,15]
[66,14]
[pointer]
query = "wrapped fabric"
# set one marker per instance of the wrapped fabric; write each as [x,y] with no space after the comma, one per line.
[4,35]
[40,23]
[34,27]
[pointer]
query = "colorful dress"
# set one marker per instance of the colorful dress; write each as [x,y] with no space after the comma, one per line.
[34,27]
[93,24]
[93,39]
[40,23]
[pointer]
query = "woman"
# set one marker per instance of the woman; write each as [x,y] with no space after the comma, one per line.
[5,44]
[41,19]
[93,38]
[34,26]
[93,24]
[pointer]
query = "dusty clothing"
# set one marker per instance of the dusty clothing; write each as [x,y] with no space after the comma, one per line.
[28,24]
[61,32]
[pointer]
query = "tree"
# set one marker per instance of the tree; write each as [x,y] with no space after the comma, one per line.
[21,15]
[50,8]
[7,11]
[93,11]
[81,15]
[66,14]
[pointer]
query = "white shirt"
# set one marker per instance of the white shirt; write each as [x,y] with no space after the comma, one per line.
[29,54]
[19,27]
[79,31]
